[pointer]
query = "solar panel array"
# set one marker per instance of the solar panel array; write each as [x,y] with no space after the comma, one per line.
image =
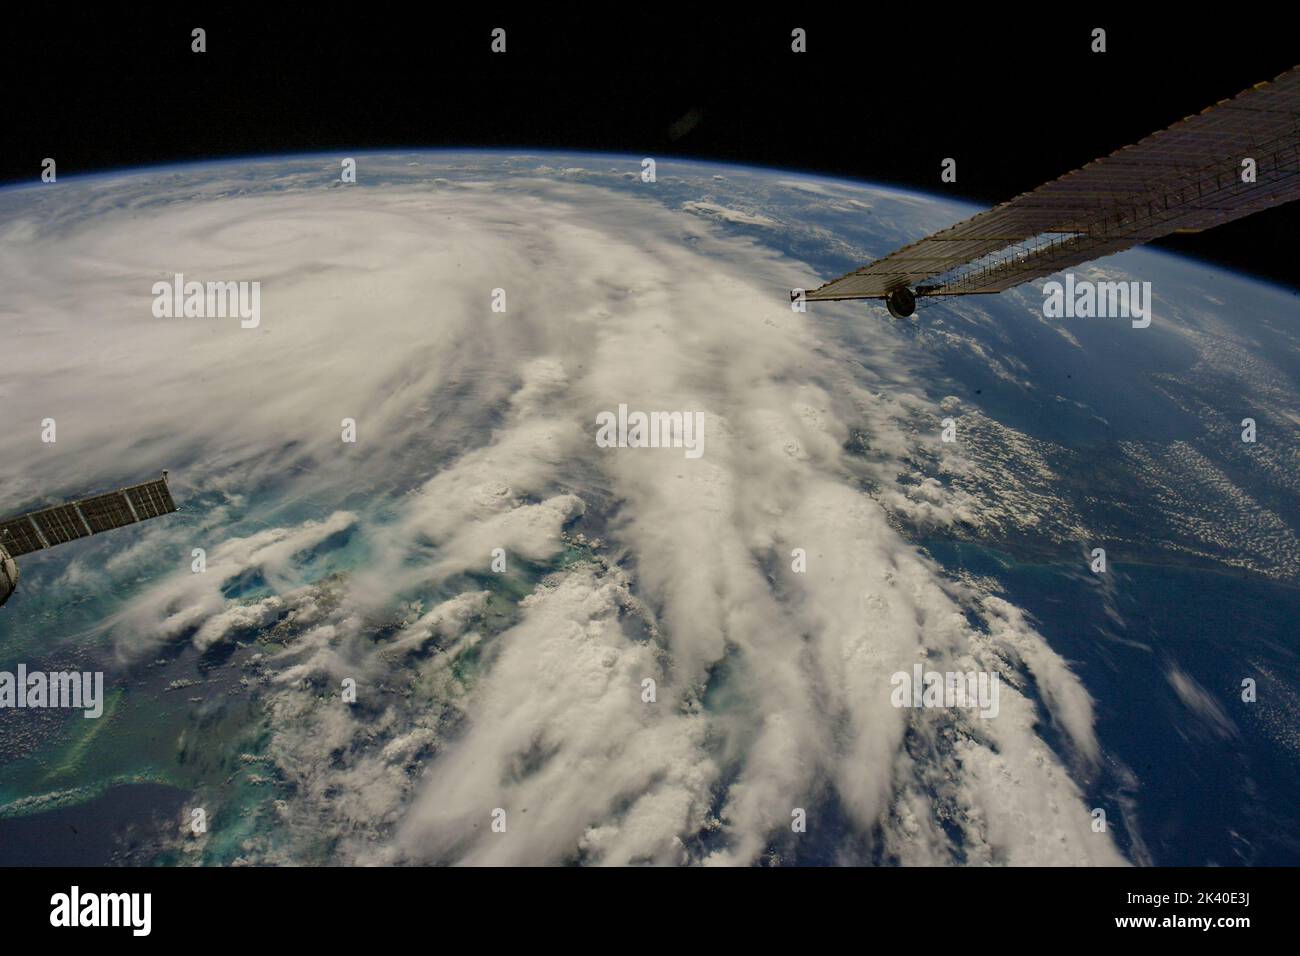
[1182,179]
[79,519]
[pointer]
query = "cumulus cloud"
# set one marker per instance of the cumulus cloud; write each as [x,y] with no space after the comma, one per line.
[476,432]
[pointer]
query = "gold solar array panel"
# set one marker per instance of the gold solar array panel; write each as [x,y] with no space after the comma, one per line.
[79,519]
[1185,178]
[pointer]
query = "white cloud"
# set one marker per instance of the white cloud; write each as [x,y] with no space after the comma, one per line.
[476,431]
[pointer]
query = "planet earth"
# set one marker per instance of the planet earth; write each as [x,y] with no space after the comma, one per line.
[413,611]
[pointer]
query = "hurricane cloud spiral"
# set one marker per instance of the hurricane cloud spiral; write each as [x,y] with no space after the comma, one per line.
[524,691]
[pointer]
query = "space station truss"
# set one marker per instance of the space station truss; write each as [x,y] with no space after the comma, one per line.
[79,519]
[1186,178]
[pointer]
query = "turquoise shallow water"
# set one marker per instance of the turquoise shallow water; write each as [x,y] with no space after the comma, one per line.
[1211,781]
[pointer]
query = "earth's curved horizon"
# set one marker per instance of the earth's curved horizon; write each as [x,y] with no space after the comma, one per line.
[330,156]
[498,586]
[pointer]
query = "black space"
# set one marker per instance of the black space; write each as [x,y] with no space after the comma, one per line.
[1013,94]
